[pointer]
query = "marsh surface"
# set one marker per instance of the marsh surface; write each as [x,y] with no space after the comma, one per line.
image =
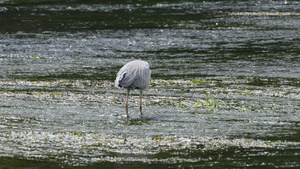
[224,91]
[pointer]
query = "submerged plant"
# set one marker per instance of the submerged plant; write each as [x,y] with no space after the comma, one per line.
[200,81]
[181,106]
[37,57]
[79,134]
[209,103]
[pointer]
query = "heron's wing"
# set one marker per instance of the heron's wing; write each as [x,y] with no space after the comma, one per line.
[126,80]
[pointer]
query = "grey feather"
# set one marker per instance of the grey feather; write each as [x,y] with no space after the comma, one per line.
[135,74]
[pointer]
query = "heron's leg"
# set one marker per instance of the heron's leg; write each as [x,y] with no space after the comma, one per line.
[126,103]
[141,95]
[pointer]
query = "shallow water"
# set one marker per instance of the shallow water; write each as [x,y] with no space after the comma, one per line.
[224,91]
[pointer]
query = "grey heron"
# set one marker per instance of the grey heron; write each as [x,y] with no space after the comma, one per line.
[134,75]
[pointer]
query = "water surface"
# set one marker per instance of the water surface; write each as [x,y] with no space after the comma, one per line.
[224,91]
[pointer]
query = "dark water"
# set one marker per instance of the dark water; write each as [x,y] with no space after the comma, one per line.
[224,91]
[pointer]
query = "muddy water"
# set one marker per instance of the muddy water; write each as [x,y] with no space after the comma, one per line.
[224,91]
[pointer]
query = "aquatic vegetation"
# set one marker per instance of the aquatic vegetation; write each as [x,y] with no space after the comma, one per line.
[38,57]
[79,134]
[209,103]
[224,91]
[6,91]
[179,83]
[112,148]
[199,82]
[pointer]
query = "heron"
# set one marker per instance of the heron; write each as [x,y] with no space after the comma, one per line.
[134,75]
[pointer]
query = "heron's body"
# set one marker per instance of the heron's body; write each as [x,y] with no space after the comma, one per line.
[134,75]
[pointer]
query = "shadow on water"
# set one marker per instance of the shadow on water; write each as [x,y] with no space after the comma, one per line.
[138,121]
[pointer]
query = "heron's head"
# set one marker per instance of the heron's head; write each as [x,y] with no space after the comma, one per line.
[147,63]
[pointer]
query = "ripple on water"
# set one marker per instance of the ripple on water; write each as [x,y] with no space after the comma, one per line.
[224,89]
